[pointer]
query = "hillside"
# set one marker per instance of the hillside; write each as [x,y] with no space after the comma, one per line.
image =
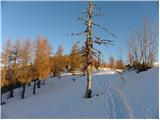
[127,95]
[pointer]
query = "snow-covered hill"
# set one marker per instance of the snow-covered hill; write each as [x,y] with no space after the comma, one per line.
[127,95]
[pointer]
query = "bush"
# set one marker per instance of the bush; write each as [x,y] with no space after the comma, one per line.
[139,67]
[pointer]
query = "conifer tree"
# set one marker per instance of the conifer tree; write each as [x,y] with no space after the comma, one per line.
[74,58]
[42,59]
[24,71]
[58,62]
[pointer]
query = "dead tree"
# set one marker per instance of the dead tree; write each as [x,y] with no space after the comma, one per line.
[87,50]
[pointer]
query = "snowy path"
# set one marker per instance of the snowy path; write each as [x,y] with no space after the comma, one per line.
[119,107]
[114,96]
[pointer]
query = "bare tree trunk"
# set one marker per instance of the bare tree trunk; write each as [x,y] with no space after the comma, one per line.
[89,54]
[2,100]
[23,91]
[34,87]
[39,84]
[88,89]
[11,91]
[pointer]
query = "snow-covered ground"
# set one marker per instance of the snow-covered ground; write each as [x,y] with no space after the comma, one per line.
[127,95]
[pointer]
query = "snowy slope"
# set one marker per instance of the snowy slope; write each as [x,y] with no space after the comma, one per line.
[127,95]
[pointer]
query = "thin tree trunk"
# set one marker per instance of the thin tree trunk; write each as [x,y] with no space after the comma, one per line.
[88,89]
[23,91]
[39,84]
[89,54]
[34,87]
[2,100]
[11,91]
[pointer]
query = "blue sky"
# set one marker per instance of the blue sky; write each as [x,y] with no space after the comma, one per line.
[55,20]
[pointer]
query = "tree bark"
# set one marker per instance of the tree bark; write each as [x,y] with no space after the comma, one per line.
[89,54]
[34,87]
[88,89]
[23,91]
[2,100]
[39,84]
[11,91]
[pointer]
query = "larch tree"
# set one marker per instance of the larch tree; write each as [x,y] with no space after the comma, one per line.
[42,59]
[87,50]
[24,74]
[58,62]
[13,57]
[74,58]
[5,60]
[15,65]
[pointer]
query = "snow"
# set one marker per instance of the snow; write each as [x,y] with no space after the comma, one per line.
[126,95]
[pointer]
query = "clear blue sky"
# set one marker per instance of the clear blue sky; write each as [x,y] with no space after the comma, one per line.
[55,20]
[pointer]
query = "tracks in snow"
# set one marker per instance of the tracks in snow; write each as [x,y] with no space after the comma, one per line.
[118,103]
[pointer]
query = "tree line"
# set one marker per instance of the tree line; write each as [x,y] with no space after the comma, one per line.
[31,61]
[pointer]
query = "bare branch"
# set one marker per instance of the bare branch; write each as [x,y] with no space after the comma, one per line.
[80,33]
[103,41]
[84,20]
[105,29]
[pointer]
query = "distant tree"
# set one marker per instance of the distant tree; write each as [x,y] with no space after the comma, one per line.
[141,54]
[119,62]
[75,58]
[24,71]
[15,65]
[10,59]
[59,51]
[42,59]
[5,60]
[152,50]
[67,62]
[112,61]
[58,62]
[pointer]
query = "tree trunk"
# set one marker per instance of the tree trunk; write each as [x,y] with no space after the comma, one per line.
[11,91]
[39,84]
[88,89]
[34,87]
[23,91]
[89,54]
[2,100]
